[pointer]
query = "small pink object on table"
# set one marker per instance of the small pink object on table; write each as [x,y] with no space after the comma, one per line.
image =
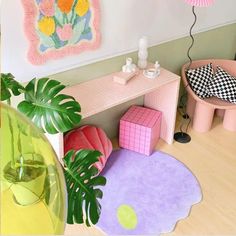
[123,77]
[140,129]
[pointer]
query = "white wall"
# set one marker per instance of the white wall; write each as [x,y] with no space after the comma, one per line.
[123,22]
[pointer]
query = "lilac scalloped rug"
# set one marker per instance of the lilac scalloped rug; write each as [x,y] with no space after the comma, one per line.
[146,195]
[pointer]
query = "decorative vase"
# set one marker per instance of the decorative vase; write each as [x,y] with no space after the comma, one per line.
[33,191]
[142,53]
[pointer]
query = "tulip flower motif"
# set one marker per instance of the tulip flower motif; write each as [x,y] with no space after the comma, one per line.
[82,7]
[65,5]
[65,33]
[46,7]
[47,25]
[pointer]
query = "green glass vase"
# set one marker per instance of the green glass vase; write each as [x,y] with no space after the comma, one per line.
[33,190]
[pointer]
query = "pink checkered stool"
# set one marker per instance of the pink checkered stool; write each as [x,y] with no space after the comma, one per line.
[140,129]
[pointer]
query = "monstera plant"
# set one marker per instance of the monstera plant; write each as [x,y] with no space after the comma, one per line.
[54,112]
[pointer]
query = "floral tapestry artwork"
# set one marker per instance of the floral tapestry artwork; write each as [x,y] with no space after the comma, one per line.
[57,28]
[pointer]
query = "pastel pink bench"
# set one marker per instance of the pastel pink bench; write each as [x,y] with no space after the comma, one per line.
[202,110]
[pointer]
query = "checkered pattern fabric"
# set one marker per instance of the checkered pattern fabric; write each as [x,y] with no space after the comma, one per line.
[199,78]
[223,86]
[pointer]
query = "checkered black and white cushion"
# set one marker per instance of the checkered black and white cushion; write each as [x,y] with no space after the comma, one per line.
[223,86]
[199,78]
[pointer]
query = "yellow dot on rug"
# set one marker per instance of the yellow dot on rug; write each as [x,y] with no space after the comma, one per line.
[127,217]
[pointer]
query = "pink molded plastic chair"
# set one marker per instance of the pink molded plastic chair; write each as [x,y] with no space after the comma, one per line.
[202,110]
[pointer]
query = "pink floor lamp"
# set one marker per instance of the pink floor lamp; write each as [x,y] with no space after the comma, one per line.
[183,137]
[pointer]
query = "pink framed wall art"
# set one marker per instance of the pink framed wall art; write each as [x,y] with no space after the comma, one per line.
[58,28]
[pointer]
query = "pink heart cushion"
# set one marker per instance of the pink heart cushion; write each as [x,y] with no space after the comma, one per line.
[89,137]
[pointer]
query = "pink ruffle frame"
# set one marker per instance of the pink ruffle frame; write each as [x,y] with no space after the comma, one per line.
[37,58]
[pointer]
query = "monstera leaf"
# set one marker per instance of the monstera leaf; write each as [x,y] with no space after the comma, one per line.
[47,108]
[9,86]
[81,181]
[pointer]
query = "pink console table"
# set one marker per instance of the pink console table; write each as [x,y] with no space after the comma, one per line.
[102,93]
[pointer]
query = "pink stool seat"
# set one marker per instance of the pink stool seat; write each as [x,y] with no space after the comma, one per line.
[140,129]
[202,110]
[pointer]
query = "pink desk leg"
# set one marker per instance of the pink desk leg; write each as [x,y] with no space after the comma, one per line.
[165,99]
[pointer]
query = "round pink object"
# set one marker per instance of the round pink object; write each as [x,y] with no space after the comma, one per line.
[89,137]
[200,3]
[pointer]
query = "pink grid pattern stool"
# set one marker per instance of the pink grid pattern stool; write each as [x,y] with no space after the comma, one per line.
[140,129]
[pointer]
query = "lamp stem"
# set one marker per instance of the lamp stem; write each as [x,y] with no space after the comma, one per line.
[183,137]
[191,35]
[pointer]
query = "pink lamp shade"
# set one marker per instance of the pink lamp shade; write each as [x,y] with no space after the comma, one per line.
[200,3]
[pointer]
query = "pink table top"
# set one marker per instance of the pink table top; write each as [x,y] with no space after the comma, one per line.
[103,93]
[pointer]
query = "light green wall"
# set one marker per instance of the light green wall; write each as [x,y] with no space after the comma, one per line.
[217,43]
